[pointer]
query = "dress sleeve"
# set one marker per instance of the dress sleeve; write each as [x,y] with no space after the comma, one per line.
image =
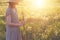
[8,12]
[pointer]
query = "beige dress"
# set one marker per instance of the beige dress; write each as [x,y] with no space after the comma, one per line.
[13,33]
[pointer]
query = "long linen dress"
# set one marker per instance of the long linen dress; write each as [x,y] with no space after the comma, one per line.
[12,33]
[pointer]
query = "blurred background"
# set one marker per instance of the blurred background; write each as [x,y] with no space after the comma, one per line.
[43,18]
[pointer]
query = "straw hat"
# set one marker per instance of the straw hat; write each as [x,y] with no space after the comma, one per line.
[13,0]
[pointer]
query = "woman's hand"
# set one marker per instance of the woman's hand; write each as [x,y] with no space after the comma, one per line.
[19,24]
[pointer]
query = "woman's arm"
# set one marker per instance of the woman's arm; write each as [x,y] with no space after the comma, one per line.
[8,21]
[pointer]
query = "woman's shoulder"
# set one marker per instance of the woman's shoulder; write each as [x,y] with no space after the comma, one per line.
[8,11]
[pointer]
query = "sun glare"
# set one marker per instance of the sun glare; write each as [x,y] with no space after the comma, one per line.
[39,3]
[37,8]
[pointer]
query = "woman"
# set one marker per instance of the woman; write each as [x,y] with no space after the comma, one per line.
[12,23]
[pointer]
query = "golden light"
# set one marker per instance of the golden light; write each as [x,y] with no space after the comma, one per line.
[39,3]
[31,8]
[37,8]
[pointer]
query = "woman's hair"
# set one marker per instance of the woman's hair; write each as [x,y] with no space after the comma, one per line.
[13,3]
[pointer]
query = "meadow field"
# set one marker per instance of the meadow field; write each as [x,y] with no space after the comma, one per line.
[43,23]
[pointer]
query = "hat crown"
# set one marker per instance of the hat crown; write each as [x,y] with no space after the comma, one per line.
[13,0]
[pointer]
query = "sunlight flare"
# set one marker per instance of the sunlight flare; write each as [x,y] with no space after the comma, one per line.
[39,3]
